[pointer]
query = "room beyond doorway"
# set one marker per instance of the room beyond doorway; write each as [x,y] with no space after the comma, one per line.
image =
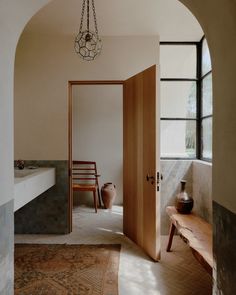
[96,134]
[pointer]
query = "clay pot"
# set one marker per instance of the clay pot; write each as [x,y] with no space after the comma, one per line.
[184,203]
[108,192]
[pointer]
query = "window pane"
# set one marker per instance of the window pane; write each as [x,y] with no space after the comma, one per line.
[178,61]
[207,95]
[207,138]
[206,59]
[178,99]
[178,139]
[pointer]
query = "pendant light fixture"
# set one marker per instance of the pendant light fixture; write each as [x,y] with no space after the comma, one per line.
[88,44]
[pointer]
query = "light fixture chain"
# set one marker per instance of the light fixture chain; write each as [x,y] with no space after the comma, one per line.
[95,19]
[88,15]
[82,17]
[88,44]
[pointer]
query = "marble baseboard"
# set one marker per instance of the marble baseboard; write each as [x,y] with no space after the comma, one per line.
[7,249]
[224,246]
[48,213]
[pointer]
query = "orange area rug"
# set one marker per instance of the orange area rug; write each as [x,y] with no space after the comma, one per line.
[66,269]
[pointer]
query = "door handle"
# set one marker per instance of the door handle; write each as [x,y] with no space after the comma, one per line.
[152,178]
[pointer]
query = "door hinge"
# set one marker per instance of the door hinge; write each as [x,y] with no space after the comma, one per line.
[159,177]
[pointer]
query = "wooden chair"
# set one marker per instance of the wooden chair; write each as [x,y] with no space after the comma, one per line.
[85,178]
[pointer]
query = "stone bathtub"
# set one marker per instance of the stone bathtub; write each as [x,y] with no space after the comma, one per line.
[30,183]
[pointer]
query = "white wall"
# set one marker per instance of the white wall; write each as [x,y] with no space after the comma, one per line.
[44,64]
[98,132]
[13,15]
[219,23]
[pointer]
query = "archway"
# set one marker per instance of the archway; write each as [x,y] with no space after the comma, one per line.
[130,62]
[219,27]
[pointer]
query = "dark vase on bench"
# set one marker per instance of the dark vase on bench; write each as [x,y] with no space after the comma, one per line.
[184,203]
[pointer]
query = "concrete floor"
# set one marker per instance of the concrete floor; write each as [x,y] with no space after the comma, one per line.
[177,273]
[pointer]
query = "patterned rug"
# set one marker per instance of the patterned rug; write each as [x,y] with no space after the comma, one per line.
[66,269]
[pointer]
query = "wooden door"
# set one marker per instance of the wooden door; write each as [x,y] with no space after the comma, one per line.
[141,163]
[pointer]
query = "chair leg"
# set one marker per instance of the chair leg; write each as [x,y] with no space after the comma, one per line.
[99,198]
[95,201]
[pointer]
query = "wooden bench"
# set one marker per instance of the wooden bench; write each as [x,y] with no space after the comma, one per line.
[196,232]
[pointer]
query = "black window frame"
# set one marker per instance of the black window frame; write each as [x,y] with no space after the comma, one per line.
[199,117]
[197,89]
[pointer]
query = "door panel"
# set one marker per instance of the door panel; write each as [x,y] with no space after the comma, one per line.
[141,198]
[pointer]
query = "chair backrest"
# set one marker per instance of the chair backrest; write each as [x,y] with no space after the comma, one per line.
[84,172]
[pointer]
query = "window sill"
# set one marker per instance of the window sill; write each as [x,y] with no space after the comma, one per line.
[204,162]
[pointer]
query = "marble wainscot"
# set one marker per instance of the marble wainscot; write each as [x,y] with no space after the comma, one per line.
[199,185]
[30,183]
[48,213]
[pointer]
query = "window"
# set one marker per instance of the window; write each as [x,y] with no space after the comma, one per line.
[206,102]
[178,100]
[186,100]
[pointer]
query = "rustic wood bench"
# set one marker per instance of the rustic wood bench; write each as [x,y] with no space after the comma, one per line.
[196,232]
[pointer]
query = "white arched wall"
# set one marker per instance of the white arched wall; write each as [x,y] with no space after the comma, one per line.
[14,15]
[219,24]
[218,20]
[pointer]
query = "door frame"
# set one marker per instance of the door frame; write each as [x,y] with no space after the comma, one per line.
[70,108]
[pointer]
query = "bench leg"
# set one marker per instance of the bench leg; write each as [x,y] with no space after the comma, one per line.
[95,201]
[171,234]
